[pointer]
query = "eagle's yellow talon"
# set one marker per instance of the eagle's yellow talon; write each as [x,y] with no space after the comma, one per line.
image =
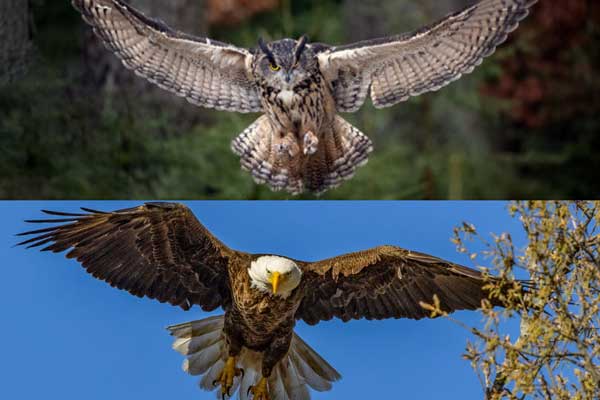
[226,377]
[260,391]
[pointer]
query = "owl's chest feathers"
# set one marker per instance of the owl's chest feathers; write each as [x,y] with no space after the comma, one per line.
[297,110]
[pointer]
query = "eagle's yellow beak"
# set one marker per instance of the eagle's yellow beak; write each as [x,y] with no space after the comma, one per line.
[275,281]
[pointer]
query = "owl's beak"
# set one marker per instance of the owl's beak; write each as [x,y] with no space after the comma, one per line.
[288,77]
[275,281]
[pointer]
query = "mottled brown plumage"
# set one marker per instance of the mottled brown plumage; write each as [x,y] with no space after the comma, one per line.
[301,144]
[160,250]
[386,282]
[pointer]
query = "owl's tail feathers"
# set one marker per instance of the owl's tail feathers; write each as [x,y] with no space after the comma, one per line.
[270,159]
[204,345]
[281,163]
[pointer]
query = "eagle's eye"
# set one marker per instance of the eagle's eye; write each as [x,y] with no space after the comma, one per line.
[275,67]
[268,272]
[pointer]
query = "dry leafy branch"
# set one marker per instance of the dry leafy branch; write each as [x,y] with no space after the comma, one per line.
[556,353]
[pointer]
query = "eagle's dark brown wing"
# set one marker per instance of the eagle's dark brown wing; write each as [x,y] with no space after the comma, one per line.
[206,72]
[386,282]
[158,250]
[395,68]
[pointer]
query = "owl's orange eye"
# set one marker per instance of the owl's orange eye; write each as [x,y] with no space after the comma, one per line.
[275,67]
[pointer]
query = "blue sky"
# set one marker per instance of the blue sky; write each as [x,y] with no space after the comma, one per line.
[66,335]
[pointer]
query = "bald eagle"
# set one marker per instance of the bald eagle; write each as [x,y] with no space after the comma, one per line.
[160,250]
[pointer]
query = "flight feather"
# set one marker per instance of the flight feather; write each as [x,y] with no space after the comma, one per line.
[158,250]
[206,72]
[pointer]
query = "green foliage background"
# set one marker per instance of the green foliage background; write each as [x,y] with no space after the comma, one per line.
[61,139]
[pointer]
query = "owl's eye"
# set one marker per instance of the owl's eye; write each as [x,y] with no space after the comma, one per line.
[274,67]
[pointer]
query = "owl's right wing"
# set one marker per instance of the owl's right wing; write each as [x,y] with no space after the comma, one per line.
[206,72]
[396,68]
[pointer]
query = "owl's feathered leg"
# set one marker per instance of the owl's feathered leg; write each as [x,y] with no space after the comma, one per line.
[341,150]
[286,163]
[270,157]
[287,145]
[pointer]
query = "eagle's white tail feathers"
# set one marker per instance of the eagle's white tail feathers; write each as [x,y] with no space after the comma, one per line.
[201,341]
[205,348]
[315,370]
[295,386]
[212,375]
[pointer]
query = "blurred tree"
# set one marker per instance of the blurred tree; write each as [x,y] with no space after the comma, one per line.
[231,12]
[556,353]
[375,18]
[549,80]
[551,77]
[16,39]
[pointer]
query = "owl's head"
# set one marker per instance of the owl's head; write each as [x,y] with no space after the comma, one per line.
[286,63]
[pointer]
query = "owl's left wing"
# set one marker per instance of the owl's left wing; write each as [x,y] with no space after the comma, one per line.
[396,68]
[207,73]
[387,282]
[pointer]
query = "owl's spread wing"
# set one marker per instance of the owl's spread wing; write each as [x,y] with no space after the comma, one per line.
[158,250]
[386,282]
[395,68]
[206,72]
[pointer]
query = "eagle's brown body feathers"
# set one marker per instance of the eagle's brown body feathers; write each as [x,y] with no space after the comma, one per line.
[302,144]
[258,321]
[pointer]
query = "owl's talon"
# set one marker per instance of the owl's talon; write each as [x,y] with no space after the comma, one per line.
[311,143]
[283,148]
[288,147]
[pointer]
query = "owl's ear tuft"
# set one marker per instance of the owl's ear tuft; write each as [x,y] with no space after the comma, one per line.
[265,49]
[300,48]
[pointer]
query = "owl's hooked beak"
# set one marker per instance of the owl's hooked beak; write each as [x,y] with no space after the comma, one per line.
[274,279]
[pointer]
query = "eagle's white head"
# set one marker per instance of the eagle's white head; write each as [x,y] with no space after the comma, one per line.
[274,274]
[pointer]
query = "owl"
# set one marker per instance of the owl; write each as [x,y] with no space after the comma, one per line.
[300,142]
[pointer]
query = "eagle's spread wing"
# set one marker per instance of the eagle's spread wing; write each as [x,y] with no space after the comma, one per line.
[207,73]
[386,282]
[398,67]
[159,250]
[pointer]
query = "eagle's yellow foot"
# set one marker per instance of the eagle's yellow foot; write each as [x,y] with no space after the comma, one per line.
[311,143]
[260,391]
[226,377]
